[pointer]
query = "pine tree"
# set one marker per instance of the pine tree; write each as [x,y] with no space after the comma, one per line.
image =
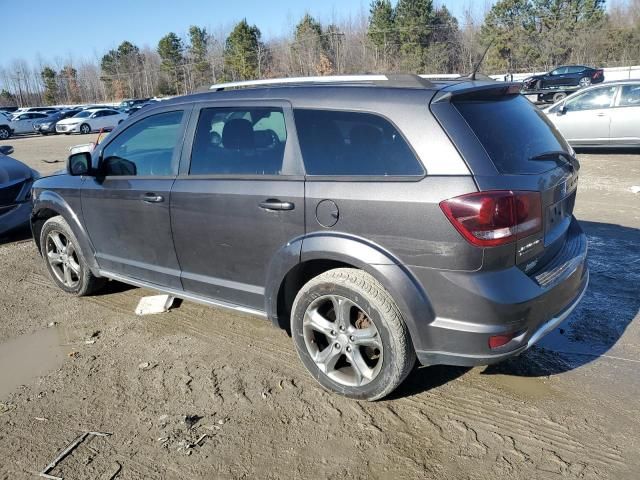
[199,41]
[382,32]
[171,50]
[50,85]
[414,19]
[241,52]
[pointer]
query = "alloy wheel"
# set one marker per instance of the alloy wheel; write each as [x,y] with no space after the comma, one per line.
[63,259]
[85,129]
[342,340]
[4,134]
[585,82]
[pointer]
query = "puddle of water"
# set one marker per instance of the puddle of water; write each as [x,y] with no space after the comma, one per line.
[28,357]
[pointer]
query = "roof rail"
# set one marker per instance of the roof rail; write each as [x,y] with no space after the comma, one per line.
[383,80]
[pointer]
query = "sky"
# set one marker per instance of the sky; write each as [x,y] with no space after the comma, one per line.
[82,29]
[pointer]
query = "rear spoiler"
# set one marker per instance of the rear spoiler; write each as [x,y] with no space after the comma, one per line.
[478,91]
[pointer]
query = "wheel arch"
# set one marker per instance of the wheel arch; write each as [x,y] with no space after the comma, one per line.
[50,204]
[307,257]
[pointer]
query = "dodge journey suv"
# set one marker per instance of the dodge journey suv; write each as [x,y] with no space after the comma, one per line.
[378,219]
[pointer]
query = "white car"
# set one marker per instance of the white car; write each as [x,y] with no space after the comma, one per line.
[605,115]
[91,120]
[23,123]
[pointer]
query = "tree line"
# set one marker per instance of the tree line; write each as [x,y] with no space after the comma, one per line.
[409,36]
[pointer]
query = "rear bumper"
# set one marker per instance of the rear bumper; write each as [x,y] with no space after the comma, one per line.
[505,303]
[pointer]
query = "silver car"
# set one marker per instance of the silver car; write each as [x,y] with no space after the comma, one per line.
[604,115]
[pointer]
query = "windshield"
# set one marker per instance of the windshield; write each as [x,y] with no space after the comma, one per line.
[514,132]
[83,114]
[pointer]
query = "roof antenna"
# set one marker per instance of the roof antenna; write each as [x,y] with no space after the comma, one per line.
[477,65]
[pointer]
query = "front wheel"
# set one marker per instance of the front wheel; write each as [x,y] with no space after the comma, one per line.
[4,133]
[350,335]
[85,128]
[64,259]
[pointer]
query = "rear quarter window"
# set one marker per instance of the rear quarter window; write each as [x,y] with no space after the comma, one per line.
[340,143]
[512,131]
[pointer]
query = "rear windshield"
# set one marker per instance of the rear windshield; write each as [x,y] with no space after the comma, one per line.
[513,131]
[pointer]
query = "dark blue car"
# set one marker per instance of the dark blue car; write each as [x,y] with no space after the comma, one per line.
[565,76]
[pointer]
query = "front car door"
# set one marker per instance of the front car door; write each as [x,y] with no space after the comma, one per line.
[239,198]
[554,78]
[24,123]
[587,116]
[126,207]
[625,116]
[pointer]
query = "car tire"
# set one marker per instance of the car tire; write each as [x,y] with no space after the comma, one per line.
[67,133]
[64,259]
[4,133]
[538,85]
[369,334]
[559,96]
[85,128]
[584,82]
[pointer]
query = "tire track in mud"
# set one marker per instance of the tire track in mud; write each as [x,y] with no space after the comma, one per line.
[478,423]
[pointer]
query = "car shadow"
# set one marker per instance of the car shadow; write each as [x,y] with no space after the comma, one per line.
[611,303]
[17,235]
[422,379]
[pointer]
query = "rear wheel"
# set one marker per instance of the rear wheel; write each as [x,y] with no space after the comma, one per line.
[350,334]
[4,133]
[559,96]
[64,259]
[584,82]
[85,128]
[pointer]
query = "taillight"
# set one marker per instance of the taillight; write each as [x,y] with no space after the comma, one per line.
[597,74]
[489,219]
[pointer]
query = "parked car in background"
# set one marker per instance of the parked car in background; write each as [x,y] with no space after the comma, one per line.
[126,105]
[15,191]
[322,206]
[8,109]
[90,121]
[565,76]
[48,125]
[606,115]
[23,123]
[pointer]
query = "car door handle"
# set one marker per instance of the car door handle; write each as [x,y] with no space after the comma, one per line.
[273,204]
[601,114]
[152,198]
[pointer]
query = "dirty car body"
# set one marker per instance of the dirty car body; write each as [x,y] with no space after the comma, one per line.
[431,194]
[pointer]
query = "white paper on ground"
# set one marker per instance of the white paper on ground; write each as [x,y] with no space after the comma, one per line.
[154,304]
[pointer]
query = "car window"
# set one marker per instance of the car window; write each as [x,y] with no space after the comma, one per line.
[145,148]
[352,143]
[513,131]
[239,141]
[630,96]
[108,113]
[559,71]
[591,99]
[575,69]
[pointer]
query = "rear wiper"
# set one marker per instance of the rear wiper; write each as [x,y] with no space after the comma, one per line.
[557,154]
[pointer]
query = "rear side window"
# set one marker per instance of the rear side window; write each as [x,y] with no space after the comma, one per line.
[513,131]
[338,143]
[239,141]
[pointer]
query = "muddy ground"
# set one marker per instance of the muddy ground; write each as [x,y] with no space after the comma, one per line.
[569,408]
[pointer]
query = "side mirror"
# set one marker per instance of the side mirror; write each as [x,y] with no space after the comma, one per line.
[79,164]
[562,110]
[6,150]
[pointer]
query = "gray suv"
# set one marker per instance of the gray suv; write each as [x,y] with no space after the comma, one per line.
[378,219]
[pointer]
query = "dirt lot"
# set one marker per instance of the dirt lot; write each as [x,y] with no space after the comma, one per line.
[569,408]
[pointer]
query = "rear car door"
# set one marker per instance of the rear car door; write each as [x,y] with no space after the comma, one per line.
[586,118]
[625,116]
[239,198]
[126,207]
